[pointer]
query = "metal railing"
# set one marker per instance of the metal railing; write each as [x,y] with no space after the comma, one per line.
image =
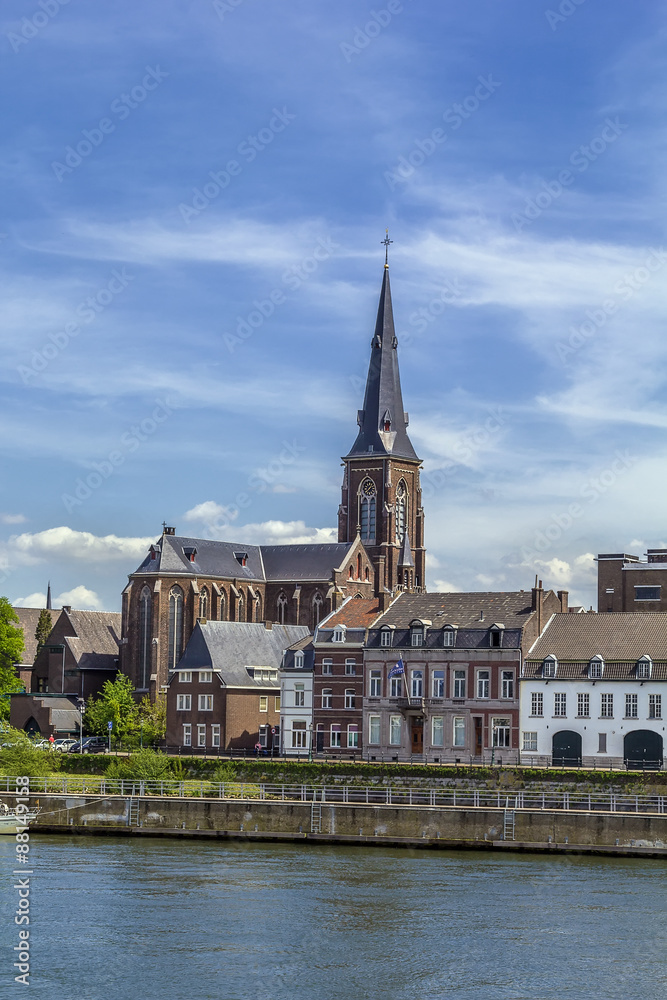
[456,798]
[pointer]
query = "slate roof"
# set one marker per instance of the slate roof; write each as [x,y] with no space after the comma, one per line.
[96,638]
[383,390]
[623,636]
[230,647]
[28,618]
[270,563]
[509,608]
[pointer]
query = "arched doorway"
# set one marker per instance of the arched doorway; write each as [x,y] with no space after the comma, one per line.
[32,727]
[643,749]
[566,749]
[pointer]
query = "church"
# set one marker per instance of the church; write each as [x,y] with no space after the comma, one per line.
[380,549]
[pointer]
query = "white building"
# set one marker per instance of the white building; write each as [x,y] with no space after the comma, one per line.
[296,698]
[593,691]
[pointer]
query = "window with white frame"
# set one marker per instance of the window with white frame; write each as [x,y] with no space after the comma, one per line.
[334,736]
[438,683]
[299,696]
[338,634]
[549,666]
[502,733]
[374,729]
[385,637]
[583,706]
[263,703]
[185,677]
[483,683]
[201,736]
[205,676]
[644,665]
[529,741]
[183,702]
[187,735]
[299,735]
[459,731]
[350,698]
[298,660]
[437,731]
[396,687]
[607,706]
[327,698]
[596,667]
[264,736]
[215,736]
[631,709]
[327,666]
[375,684]
[655,706]
[417,636]
[459,683]
[417,684]
[395,730]
[537,704]
[507,684]
[560,705]
[205,702]
[350,667]
[448,636]
[352,737]
[495,637]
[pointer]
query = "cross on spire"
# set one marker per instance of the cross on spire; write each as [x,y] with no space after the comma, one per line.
[385,243]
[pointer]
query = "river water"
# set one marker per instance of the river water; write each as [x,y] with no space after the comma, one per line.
[118,919]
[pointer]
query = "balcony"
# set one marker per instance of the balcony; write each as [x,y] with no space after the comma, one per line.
[410,705]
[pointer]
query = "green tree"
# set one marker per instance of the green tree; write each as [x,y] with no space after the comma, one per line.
[11,648]
[19,755]
[115,703]
[43,630]
[152,720]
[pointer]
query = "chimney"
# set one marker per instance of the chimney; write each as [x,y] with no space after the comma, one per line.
[536,603]
[268,625]
[481,616]
[384,600]
[563,597]
[67,608]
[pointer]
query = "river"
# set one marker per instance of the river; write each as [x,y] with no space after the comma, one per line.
[118,919]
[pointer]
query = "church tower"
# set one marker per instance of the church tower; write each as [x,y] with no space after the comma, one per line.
[381,496]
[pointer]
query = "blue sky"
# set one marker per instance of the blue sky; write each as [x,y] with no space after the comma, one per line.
[194,199]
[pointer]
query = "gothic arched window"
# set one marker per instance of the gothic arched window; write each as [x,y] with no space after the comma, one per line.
[367,498]
[223,606]
[239,608]
[401,510]
[318,601]
[145,637]
[203,603]
[258,608]
[175,626]
[282,608]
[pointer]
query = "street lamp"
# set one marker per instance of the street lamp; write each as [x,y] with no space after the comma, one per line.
[310,742]
[80,703]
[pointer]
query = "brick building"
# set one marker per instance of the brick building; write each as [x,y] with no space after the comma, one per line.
[225,690]
[442,674]
[338,678]
[28,619]
[81,653]
[627,583]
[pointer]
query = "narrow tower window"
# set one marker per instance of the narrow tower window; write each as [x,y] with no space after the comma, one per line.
[401,510]
[203,603]
[145,624]
[175,626]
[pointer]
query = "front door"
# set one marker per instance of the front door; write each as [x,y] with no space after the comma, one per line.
[478,736]
[417,741]
[319,740]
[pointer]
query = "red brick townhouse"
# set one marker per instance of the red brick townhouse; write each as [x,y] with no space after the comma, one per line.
[338,679]
[442,674]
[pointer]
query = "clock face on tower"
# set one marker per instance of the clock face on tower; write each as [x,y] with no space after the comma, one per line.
[369,488]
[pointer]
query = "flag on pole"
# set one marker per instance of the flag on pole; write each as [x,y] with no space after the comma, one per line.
[397,669]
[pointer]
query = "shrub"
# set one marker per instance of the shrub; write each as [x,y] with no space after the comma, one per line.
[22,757]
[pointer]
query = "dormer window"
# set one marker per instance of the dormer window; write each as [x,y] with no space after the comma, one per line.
[596,667]
[190,554]
[495,637]
[338,634]
[241,558]
[298,660]
[549,666]
[644,667]
[385,637]
[417,635]
[153,552]
[386,421]
[448,636]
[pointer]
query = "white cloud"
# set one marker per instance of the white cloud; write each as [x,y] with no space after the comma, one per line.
[36,600]
[66,543]
[12,518]
[79,597]
[443,587]
[215,520]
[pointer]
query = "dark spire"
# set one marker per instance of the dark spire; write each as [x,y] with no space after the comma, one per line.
[405,559]
[383,422]
[48,597]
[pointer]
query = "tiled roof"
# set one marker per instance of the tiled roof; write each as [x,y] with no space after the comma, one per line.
[510,608]
[231,647]
[96,638]
[613,635]
[578,671]
[356,612]
[28,618]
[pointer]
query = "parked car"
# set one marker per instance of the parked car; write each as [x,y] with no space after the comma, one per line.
[43,744]
[65,743]
[91,744]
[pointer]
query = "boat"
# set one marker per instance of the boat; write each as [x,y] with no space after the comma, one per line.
[12,822]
